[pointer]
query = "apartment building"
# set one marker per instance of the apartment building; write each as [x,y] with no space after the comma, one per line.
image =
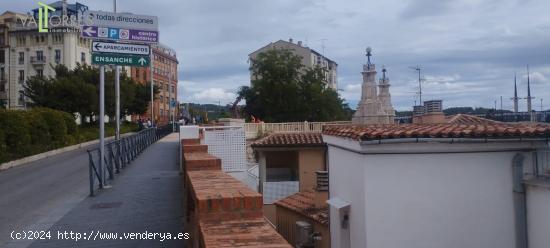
[27,52]
[310,59]
[165,76]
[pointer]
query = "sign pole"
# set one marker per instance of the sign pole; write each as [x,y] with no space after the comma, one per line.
[152,95]
[117,92]
[101,124]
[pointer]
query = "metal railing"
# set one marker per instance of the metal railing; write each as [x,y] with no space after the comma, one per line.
[253,130]
[118,154]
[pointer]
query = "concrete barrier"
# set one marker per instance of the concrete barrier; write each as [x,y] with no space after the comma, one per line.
[43,155]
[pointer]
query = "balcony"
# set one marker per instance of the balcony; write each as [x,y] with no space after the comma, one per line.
[35,60]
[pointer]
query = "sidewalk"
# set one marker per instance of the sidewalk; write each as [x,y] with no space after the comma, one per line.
[145,197]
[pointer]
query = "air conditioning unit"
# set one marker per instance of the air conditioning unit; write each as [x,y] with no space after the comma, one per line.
[304,235]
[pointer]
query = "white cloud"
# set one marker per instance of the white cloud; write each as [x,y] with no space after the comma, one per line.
[214,95]
[475,39]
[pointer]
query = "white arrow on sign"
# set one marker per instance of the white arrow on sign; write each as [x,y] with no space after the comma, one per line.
[89,31]
[142,61]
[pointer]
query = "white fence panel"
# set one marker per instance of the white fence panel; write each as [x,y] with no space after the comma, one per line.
[228,144]
[274,191]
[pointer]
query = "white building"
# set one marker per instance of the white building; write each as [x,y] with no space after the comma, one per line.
[310,59]
[375,105]
[29,53]
[439,185]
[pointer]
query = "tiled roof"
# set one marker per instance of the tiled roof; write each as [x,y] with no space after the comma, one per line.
[469,119]
[290,139]
[496,130]
[302,203]
[244,232]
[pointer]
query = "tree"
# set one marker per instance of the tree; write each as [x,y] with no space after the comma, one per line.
[284,90]
[77,91]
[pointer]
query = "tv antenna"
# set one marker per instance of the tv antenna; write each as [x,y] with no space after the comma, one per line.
[323,45]
[418,68]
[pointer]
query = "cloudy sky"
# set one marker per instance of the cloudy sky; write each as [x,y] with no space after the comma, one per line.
[468,49]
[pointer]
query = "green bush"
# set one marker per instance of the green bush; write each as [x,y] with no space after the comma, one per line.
[17,138]
[3,151]
[25,133]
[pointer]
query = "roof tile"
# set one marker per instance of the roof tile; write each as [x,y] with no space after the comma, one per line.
[303,203]
[445,130]
[290,139]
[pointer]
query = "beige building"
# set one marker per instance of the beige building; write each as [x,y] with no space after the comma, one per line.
[302,218]
[310,59]
[165,76]
[288,166]
[28,53]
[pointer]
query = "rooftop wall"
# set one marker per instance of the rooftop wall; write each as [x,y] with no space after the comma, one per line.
[220,211]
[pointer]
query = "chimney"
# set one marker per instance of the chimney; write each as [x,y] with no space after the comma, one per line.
[321,191]
[430,113]
[290,40]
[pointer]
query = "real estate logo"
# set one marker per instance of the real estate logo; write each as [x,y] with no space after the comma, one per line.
[43,17]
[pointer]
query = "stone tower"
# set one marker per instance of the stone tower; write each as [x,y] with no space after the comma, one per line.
[373,108]
[385,98]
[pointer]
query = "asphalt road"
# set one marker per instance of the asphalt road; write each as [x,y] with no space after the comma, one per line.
[36,195]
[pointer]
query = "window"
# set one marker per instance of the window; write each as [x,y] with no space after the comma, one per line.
[40,72]
[21,58]
[57,56]
[83,58]
[2,57]
[2,73]
[42,38]
[173,89]
[2,86]
[39,56]
[21,77]
[161,99]
[21,100]
[162,112]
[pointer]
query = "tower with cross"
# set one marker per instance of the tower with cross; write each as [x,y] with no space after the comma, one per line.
[375,104]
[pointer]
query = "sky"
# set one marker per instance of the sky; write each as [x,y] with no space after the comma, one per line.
[469,50]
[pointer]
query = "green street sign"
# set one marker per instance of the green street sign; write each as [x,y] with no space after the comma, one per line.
[120,59]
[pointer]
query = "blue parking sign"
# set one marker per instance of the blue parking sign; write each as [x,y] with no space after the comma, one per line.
[113,33]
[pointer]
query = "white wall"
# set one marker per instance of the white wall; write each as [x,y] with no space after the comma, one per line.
[439,200]
[425,200]
[538,215]
[346,180]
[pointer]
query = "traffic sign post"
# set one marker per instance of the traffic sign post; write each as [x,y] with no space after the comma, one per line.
[120,59]
[120,20]
[120,48]
[119,27]
[120,34]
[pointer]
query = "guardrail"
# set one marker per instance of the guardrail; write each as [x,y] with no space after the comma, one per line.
[253,130]
[119,153]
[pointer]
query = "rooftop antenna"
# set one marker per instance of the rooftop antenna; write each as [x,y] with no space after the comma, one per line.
[515,98]
[323,45]
[418,68]
[529,97]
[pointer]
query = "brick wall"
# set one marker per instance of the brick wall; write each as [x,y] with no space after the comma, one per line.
[220,211]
